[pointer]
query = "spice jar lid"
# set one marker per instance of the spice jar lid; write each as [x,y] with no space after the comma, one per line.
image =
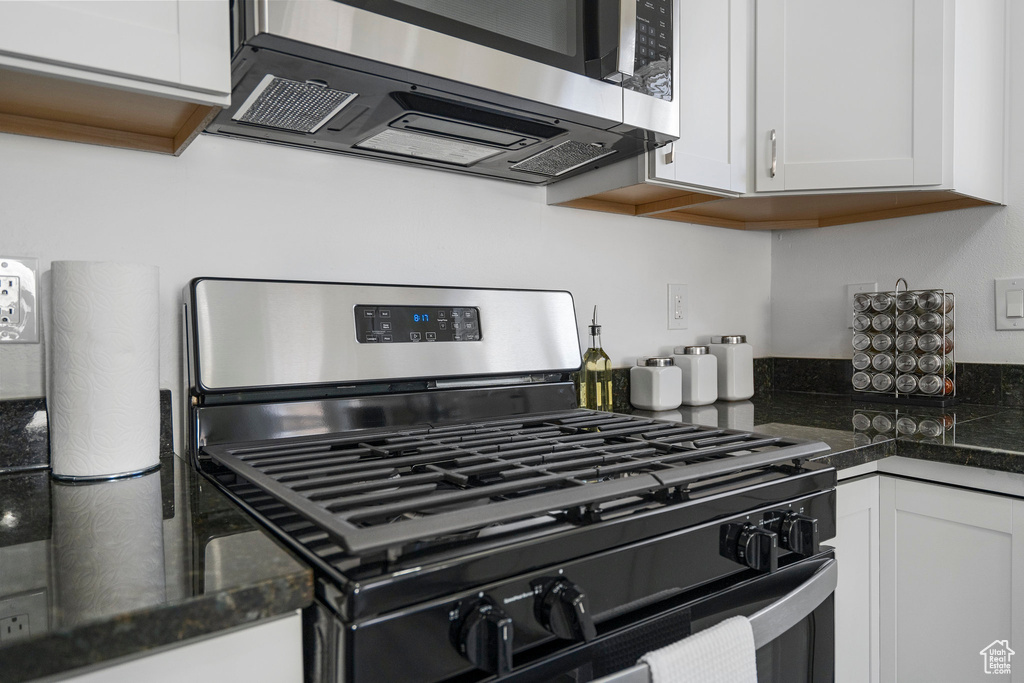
[730,339]
[694,350]
[659,362]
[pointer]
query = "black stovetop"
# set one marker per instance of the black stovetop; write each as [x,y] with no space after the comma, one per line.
[368,507]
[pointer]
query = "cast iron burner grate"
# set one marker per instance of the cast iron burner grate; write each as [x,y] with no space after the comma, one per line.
[381,490]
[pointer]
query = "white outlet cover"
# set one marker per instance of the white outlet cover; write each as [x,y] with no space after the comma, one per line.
[1002,287]
[678,307]
[26,330]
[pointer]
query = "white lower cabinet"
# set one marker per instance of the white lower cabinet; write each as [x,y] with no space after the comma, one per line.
[269,652]
[952,583]
[856,599]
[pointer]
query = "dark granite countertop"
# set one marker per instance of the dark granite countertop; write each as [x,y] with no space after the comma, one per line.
[986,436]
[108,570]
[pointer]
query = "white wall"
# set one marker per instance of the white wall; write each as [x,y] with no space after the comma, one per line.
[961,251]
[240,209]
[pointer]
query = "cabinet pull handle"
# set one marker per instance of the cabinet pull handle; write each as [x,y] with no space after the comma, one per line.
[774,156]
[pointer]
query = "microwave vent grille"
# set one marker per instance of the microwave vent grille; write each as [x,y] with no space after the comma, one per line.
[562,158]
[298,106]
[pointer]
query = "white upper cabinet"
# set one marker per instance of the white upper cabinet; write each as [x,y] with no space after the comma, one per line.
[181,44]
[143,74]
[713,101]
[879,94]
[816,113]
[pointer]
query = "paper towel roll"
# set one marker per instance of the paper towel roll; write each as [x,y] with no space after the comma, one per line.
[103,397]
[108,548]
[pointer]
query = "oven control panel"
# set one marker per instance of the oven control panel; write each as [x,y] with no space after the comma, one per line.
[383,324]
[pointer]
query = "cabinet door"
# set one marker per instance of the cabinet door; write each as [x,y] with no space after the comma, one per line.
[850,94]
[158,41]
[713,74]
[856,545]
[947,581]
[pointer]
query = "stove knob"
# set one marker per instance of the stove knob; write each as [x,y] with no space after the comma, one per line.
[758,548]
[799,533]
[750,545]
[485,638]
[564,611]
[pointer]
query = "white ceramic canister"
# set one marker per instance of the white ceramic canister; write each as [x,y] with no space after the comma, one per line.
[655,384]
[735,367]
[700,374]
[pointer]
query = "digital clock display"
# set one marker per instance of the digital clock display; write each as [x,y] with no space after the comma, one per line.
[383,324]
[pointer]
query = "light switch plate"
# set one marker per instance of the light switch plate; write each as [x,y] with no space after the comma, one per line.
[19,302]
[1003,287]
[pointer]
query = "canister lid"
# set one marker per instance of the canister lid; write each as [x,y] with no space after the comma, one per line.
[730,339]
[659,362]
[694,350]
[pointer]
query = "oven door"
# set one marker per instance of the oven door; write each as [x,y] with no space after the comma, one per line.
[581,36]
[791,614]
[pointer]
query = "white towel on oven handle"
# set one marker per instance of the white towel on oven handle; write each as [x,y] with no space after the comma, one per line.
[723,653]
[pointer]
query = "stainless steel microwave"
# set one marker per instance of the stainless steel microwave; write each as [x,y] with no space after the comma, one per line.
[525,90]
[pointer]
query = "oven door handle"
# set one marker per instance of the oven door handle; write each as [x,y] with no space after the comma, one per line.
[768,623]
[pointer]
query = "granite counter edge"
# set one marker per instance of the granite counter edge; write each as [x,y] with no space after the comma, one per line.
[139,632]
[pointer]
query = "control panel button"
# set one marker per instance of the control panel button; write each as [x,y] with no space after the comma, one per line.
[387,338]
[370,337]
[431,336]
[385,326]
[368,312]
[414,336]
[384,313]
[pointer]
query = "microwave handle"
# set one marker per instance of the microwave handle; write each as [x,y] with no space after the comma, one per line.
[611,39]
[627,38]
[768,623]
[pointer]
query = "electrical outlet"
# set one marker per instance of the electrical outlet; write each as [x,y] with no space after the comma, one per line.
[10,300]
[678,308]
[12,628]
[23,615]
[19,312]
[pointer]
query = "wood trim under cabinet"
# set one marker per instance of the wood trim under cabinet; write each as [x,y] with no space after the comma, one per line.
[773,212]
[60,109]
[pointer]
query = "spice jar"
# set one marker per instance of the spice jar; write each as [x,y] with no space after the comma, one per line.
[861,361]
[906,301]
[699,369]
[882,382]
[906,342]
[881,302]
[882,342]
[656,384]
[882,362]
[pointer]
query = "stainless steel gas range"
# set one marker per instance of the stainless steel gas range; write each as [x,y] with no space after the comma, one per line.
[421,449]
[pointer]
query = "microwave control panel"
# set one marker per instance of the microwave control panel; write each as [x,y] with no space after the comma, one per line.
[653,55]
[384,324]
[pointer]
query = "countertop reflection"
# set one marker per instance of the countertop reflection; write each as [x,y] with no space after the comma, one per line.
[100,571]
[858,432]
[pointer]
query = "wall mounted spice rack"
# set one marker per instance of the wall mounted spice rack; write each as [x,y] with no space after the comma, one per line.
[903,346]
